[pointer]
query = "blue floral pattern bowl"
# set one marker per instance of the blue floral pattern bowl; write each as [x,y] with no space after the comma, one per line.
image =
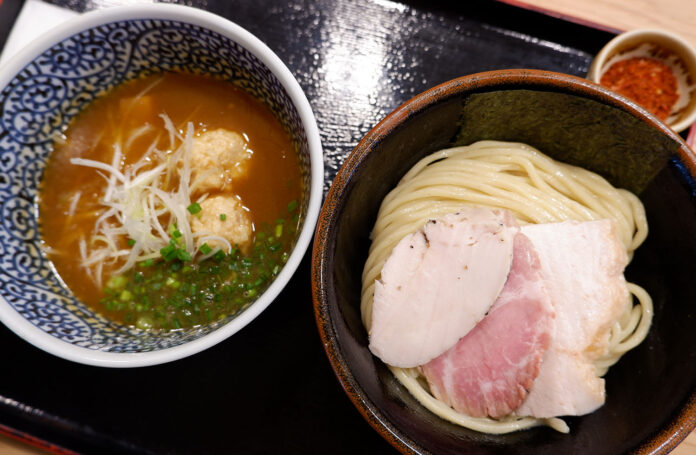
[49,83]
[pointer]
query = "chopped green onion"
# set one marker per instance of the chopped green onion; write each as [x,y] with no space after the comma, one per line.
[172,251]
[131,242]
[144,323]
[183,255]
[179,292]
[167,250]
[194,208]
[117,282]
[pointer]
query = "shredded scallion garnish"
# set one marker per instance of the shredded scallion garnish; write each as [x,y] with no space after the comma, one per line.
[138,201]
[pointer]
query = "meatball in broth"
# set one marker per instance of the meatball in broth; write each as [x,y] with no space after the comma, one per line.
[218,158]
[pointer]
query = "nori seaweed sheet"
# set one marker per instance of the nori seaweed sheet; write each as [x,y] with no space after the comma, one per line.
[603,139]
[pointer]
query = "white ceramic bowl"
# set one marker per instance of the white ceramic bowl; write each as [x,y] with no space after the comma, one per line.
[48,83]
[644,43]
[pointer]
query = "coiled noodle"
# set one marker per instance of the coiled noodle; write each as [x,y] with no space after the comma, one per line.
[535,189]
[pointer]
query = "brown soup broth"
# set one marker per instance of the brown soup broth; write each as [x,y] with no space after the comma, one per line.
[273,178]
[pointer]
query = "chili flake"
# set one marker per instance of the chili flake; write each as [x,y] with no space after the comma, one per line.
[647,81]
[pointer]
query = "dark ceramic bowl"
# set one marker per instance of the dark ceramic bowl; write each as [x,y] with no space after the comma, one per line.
[651,400]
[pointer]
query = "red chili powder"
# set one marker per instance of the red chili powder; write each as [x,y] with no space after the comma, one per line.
[647,81]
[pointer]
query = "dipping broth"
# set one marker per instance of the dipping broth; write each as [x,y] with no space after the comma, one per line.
[197,263]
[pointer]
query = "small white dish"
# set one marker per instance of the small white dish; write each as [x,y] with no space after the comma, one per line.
[673,50]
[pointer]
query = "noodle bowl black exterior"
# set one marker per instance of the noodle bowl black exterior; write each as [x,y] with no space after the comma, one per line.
[651,398]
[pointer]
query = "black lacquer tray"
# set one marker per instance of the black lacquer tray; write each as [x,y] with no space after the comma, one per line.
[269,388]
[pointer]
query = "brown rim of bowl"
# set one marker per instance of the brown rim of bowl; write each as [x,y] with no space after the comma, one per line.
[662,442]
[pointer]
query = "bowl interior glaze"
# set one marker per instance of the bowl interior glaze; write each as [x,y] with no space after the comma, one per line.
[650,392]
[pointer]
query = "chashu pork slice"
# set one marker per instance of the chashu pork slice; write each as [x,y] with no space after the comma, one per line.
[489,372]
[438,283]
[582,264]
